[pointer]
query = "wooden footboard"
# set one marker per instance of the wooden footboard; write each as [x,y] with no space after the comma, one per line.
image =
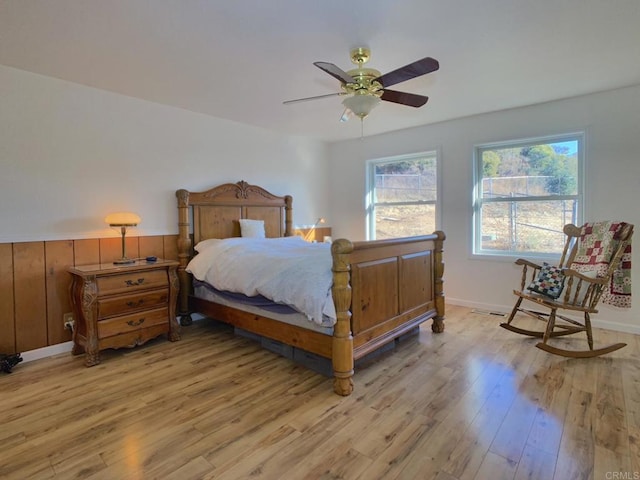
[383,289]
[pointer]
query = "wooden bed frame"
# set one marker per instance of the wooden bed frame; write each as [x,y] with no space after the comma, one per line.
[381,289]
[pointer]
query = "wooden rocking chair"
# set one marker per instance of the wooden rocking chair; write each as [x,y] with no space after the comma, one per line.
[581,292]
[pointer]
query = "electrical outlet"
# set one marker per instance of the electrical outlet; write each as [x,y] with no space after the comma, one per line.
[69,322]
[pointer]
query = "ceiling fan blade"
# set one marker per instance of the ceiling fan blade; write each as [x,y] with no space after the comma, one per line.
[404,98]
[415,69]
[335,72]
[297,100]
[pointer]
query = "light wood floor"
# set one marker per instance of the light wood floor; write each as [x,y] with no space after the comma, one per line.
[476,402]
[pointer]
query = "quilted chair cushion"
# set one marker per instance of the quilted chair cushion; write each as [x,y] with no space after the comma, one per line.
[550,281]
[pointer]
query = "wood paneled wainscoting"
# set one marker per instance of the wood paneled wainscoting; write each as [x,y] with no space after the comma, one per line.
[34,283]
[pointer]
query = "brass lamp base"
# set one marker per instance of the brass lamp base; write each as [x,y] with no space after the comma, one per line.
[124,260]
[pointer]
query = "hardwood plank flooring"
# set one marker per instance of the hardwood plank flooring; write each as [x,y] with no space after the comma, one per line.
[476,402]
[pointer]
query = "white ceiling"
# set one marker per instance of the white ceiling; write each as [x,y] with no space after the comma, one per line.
[240,59]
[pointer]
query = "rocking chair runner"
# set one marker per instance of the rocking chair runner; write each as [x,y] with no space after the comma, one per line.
[581,292]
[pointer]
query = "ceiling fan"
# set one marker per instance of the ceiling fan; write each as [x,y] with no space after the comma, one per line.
[365,87]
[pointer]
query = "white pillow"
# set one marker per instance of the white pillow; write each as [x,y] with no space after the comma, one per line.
[252,228]
[204,244]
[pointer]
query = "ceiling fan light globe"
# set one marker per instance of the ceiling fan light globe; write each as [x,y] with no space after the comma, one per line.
[361,105]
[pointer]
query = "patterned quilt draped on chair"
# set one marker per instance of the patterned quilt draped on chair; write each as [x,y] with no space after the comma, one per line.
[598,241]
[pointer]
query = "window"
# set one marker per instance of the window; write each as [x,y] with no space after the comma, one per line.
[402,196]
[525,192]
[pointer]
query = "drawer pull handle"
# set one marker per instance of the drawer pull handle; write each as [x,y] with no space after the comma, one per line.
[133,323]
[135,304]
[131,283]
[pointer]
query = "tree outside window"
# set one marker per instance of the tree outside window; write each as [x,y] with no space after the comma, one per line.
[525,193]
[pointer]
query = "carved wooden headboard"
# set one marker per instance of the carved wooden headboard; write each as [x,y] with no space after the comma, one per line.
[216,212]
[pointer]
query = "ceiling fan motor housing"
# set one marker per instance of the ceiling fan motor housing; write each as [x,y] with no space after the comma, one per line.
[364,84]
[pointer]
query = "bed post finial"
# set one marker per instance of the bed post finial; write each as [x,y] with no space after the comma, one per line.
[184,253]
[342,337]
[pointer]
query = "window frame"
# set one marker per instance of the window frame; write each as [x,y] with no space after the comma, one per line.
[370,203]
[478,201]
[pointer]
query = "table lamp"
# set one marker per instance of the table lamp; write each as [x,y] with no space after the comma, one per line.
[123,220]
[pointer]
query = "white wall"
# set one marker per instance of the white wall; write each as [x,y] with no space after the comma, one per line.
[70,154]
[611,121]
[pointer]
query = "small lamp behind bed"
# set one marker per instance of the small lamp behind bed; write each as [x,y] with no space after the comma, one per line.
[312,231]
[123,220]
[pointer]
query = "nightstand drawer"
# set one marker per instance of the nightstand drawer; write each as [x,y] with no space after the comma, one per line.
[132,339]
[131,281]
[108,307]
[135,321]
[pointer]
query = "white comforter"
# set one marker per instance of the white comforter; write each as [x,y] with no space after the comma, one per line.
[286,270]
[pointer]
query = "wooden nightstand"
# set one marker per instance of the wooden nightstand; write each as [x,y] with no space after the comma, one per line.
[118,306]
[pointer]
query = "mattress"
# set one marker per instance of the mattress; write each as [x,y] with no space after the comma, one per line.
[259,306]
[286,270]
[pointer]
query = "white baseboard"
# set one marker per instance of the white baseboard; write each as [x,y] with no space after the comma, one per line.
[39,353]
[490,307]
[596,322]
[615,326]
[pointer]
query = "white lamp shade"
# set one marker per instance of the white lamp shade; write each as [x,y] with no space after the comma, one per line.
[122,219]
[361,104]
